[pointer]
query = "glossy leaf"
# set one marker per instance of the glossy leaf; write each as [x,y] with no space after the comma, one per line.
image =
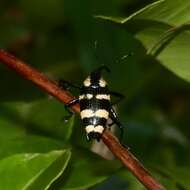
[132,16]
[169,12]
[33,170]
[85,170]
[163,42]
[152,28]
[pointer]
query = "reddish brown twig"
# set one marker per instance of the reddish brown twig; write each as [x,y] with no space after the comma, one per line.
[112,143]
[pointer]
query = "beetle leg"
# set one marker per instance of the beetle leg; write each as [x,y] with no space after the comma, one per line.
[114,118]
[67,106]
[88,138]
[63,84]
[118,95]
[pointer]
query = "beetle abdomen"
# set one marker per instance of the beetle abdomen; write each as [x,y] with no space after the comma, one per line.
[94,113]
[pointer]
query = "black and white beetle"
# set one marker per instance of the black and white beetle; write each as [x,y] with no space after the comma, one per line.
[95,104]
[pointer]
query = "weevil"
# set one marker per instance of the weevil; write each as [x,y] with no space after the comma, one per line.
[95,104]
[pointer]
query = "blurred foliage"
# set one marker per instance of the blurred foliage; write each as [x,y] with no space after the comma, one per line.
[40,151]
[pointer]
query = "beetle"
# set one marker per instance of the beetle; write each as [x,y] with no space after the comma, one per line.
[95,104]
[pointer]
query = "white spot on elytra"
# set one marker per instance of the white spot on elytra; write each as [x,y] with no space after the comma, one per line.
[102,113]
[89,128]
[103,96]
[86,96]
[99,129]
[96,129]
[81,97]
[102,82]
[86,113]
[87,82]
[89,96]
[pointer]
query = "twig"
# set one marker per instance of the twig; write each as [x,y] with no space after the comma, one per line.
[39,79]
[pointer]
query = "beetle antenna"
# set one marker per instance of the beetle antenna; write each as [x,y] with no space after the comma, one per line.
[124,57]
[95,52]
[103,66]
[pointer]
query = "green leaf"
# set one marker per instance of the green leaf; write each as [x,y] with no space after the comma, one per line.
[173,41]
[175,176]
[133,183]
[169,45]
[166,11]
[44,116]
[28,143]
[16,131]
[32,171]
[50,118]
[173,12]
[124,20]
[86,170]
[182,176]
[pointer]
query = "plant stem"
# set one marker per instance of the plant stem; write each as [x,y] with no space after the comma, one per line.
[49,86]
